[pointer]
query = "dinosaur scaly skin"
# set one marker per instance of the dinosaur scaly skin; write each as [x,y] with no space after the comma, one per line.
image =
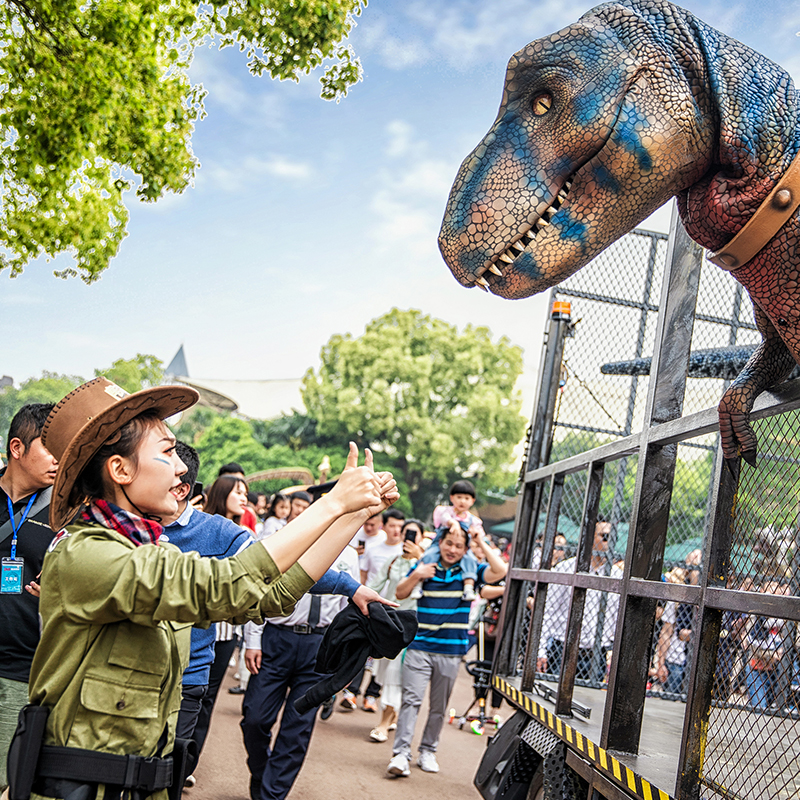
[603,122]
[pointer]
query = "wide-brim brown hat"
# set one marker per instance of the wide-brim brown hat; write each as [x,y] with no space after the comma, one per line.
[88,417]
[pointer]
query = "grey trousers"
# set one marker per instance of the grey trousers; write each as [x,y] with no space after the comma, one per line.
[420,669]
[13,696]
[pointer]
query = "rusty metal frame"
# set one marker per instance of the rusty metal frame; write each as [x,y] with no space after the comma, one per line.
[640,587]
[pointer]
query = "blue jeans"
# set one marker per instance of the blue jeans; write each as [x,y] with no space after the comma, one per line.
[760,686]
[675,677]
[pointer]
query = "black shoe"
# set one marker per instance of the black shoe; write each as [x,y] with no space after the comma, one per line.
[236,690]
[326,709]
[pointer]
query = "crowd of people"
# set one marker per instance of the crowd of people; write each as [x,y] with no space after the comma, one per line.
[126,587]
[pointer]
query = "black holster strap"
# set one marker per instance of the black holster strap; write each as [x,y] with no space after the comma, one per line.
[90,766]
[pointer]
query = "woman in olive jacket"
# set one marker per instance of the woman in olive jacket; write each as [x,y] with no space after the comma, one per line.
[117,605]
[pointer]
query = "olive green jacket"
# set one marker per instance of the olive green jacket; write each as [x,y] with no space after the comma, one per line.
[116,622]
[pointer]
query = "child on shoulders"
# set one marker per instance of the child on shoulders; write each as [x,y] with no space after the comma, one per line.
[445,518]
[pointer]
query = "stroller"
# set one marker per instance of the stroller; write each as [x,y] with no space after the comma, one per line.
[481,672]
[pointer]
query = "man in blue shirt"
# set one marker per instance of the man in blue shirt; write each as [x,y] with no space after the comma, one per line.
[434,655]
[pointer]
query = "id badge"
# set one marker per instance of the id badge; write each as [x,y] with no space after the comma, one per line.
[11,575]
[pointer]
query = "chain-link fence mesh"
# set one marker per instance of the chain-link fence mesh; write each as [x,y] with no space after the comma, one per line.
[752,747]
[755,715]
[602,397]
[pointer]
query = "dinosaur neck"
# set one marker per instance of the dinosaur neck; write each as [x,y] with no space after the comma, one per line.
[752,110]
[744,131]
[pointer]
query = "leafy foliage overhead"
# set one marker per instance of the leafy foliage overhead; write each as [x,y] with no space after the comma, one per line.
[96,100]
[436,403]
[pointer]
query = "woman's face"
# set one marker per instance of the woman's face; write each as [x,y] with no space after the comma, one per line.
[237,501]
[282,508]
[155,484]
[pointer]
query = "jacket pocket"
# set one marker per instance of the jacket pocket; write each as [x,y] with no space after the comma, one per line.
[118,700]
[140,648]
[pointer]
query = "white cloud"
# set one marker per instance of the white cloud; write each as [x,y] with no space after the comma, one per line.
[231,176]
[400,138]
[408,200]
[465,33]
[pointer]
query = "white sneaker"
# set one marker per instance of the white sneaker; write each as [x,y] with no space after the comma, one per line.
[468,594]
[426,761]
[416,593]
[399,766]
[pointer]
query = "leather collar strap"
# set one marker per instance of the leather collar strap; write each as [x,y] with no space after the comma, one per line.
[769,218]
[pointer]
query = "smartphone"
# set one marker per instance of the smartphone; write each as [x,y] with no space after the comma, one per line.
[198,489]
[362,542]
[410,536]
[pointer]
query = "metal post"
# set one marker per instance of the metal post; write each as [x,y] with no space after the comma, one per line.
[514,604]
[627,684]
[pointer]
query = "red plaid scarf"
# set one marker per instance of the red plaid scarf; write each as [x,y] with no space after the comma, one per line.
[138,530]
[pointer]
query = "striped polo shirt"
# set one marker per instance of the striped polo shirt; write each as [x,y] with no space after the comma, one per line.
[442,615]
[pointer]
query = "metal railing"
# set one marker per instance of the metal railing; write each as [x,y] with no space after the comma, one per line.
[739,671]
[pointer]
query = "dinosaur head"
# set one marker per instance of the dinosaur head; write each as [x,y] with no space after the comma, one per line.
[592,136]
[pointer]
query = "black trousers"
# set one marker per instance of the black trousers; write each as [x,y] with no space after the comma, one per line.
[287,672]
[373,689]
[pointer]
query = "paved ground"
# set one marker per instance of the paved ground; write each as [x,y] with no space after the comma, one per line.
[342,763]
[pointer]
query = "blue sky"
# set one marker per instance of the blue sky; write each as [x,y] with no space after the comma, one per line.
[310,218]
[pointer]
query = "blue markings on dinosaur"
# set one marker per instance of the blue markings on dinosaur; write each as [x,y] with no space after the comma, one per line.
[605,180]
[525,264]
[626,133]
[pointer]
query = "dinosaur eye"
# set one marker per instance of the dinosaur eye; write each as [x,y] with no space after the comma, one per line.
[542,103]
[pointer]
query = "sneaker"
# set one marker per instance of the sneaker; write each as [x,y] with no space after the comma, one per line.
[416,593]
[236,690]
[348,701]
[399,766]
[189,782]
[426,761]
[326,709]
[378,735]
[370,704]
[393,726]
[468,594]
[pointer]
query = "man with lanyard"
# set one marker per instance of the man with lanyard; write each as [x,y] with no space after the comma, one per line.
[24,538]
[435,654]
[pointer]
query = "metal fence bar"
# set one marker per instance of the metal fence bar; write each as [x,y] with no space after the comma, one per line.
[630,661]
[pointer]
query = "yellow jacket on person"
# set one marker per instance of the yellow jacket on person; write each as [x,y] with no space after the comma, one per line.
[116,624]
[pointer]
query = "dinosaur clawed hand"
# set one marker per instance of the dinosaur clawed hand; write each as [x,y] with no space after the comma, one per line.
[738,438]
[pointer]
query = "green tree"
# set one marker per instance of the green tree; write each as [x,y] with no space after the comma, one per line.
[97,101]
[296,430]
[228,439]
[435,403]
[134,374]
[50,388]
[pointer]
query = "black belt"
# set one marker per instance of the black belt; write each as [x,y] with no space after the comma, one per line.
[90,766]
[305,628]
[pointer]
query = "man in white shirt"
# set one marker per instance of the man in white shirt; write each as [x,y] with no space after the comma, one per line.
[591,666]
[378,553]
[281,655]
[371,533]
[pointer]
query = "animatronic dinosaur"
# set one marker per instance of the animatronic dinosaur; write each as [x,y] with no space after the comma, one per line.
[603,122]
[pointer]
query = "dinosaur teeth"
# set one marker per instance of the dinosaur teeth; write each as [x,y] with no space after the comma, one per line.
[482,283]
[495,270]
[506,257]
[544,222]
[518,246]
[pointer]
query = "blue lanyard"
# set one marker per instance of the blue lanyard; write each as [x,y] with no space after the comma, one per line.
[14,526]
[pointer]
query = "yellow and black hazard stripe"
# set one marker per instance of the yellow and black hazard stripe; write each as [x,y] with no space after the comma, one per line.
[601,759]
